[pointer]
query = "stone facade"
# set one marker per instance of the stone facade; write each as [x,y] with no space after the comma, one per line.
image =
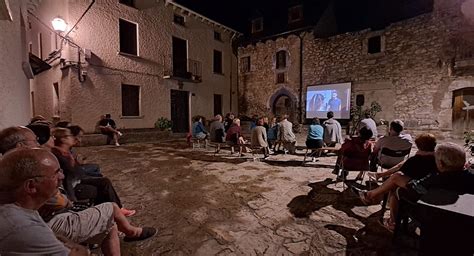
[15,107]
[107,69]
[412,78]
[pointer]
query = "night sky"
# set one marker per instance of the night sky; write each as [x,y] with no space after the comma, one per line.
[351,15]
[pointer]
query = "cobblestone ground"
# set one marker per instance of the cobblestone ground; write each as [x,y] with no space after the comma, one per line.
[225,205]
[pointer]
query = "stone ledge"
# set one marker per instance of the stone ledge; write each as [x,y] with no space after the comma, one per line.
[130,136]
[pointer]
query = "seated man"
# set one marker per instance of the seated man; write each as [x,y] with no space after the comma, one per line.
[217,130]
[420,165]
[286,135]
[332,131]
[354,153]
[259,137]
[395,140]
[108,127]
[94,225]
[28,177]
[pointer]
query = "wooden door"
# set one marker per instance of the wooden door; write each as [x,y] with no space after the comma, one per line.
[180,111]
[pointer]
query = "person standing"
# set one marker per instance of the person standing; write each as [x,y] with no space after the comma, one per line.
[334,103]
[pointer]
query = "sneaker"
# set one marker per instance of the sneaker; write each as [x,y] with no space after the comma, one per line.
[265,157]
[117,144]
[314,160]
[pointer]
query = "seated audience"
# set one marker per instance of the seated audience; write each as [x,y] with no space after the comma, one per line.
[233,135]
[332,131]
[259,137]
[416,167]
[94,225]
[286,135]
[43,134]
[355,152]
[108,127]
[90,169]
[77,184]
[198,130]
[272,132]
[369,123]
[395,140]
[314,139]
[229,120]
[217,130]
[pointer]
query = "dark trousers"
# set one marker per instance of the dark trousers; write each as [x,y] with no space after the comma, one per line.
[104,190]
[91,170]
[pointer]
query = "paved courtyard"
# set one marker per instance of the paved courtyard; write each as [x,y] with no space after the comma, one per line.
[224,205]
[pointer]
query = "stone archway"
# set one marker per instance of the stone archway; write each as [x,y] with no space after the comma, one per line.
[283,102]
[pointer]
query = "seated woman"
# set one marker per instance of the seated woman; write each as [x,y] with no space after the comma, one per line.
[315,136]
[198,130]
[76,183]
[259,137]
[355,152]
[272,132]
[420,165]
[90,169]
[233,136]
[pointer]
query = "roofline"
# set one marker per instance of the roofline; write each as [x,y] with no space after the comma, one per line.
[202,17]
[282,34]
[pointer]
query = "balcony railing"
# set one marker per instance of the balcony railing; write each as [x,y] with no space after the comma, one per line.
[186,70]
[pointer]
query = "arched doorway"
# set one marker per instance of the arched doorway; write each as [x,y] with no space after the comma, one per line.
[463,113]
[283,102]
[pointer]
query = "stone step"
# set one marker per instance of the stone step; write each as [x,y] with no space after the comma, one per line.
[130,136]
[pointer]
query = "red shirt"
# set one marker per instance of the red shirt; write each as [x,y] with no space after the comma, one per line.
[355,154]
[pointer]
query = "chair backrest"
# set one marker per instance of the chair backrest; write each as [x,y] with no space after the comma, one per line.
[395,153]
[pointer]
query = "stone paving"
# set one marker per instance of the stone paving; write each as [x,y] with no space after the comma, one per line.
[225,205]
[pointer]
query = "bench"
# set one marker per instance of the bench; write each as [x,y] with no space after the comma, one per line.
[199,143]
[319,151]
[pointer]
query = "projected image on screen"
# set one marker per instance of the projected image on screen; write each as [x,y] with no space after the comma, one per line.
[329,97]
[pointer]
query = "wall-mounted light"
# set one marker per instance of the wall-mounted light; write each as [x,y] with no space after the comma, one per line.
[59,24]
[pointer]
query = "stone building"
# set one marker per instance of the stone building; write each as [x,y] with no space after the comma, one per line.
[137,60]
[419,69]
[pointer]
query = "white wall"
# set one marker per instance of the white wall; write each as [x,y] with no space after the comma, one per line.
[15,107]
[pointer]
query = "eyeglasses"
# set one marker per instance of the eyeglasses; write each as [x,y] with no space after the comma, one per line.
[52,177]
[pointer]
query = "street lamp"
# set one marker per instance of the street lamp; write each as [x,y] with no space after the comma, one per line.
[59,24]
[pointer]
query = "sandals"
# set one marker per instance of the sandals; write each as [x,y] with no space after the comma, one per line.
[127,213]
[147,232]
[389,225]
[372,176]
[362,195]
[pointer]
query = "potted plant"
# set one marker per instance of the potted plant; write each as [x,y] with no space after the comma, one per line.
[164,124]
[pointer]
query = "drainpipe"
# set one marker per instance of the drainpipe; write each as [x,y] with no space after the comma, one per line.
[300,103]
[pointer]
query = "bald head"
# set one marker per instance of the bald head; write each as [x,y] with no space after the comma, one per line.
[450,157]
[20,165]
[17,136]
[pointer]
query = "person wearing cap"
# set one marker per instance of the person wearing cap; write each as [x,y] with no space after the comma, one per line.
[395,140]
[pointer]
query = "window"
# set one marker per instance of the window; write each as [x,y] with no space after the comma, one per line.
[130,3]
[245,64]
[280,78]
[281,59]
[295,13]
[217,62]
[257,25]
[217,36]
[178,19]
[130,100]
[374,44]
[128,37]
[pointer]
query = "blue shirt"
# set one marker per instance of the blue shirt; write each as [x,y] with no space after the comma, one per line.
[198,127]
[334,104]
[315,132]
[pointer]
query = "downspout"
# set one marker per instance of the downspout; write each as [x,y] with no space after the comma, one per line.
[300,103]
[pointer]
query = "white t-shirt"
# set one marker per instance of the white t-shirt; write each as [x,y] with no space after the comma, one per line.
[23,232]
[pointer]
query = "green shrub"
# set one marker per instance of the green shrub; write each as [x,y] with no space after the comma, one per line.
[164,124]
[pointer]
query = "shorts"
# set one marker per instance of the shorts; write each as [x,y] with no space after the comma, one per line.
[91,225]
[200,136]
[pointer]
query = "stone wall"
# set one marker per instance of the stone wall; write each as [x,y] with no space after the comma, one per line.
[412,78]
[258,88]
